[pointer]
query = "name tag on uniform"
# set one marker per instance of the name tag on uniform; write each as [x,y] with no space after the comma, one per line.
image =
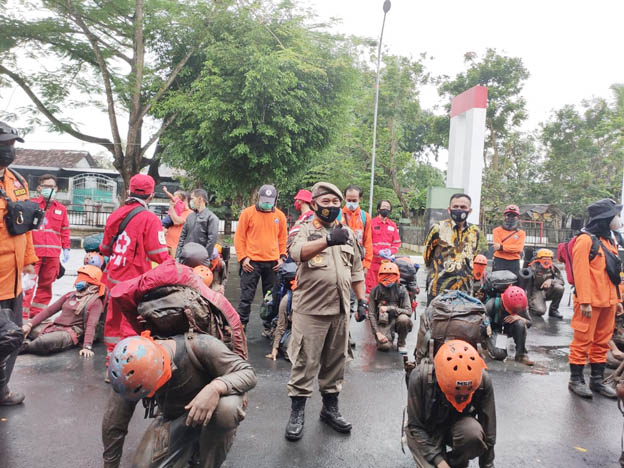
[390,228]
[20,192]
[161,238]
[58,212]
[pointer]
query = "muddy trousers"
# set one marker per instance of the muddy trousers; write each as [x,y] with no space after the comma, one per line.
[517,331]
[15,305]
[249,283]
[47,343]
[47,270]
[401,325]
[538,298]
[318,346]
[171,442]
[467,441]
[591,335]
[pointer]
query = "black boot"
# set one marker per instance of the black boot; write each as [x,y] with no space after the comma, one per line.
[596,381]
[577,382]
[554,313]
[294,428]
[331,415]
[7,398]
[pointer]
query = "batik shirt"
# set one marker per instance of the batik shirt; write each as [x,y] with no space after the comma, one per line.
[449,253]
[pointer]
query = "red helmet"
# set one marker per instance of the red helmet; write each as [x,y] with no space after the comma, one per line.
[459,370]
[515,300]
[304,196]
[139,367]
[512,209]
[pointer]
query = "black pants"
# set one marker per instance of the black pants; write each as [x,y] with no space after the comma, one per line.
[509,265]
[249,283]
[15,305]
[518,331]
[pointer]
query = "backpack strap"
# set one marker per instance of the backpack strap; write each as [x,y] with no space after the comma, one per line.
[363,215]
[126,221]
[188,345]
[19,176]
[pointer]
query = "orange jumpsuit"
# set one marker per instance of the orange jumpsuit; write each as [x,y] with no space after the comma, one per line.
[593,286]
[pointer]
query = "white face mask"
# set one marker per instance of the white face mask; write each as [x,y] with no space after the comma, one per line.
[616,223]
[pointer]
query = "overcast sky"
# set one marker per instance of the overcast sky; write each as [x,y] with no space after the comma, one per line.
[573,49]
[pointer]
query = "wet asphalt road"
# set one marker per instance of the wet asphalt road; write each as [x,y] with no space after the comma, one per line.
[540,424]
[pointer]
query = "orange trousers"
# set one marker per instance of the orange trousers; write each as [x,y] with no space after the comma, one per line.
[591,335]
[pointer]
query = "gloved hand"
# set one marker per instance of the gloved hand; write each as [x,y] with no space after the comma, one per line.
[362,310]
[65,258]
[337,236]
[386,253]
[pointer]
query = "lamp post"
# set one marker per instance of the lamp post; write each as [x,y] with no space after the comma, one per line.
[386,9]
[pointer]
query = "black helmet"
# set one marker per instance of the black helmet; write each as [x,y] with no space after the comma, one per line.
[8,133]
[194,254]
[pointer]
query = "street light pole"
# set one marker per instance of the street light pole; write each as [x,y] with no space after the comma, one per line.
[386,9]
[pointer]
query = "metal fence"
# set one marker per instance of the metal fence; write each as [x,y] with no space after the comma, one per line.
[88,219]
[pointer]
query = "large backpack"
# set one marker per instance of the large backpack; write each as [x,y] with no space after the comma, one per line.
[451,316]
[564,253]
[173,310]
[497,281]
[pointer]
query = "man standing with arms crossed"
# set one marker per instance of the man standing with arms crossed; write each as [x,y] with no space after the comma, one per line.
[329,265]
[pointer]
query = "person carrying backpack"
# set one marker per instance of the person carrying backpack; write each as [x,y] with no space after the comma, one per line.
[596,297]
[451,403]
[389,309]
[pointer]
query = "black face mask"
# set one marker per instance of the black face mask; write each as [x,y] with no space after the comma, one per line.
[510,223]
[327,214]
[459,216]
[7,155]
[384,212]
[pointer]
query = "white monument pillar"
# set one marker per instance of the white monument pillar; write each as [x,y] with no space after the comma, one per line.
[466,142]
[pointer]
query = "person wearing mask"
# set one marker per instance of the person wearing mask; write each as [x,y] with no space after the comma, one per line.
[177,214]
[450,248]
[547,284]
[133,239]
[329,266]
[302,205]
[360,223]
[51,240]
[385,239]
[200,387]
[596,298]
[17,254]
[260,243]
[201,226]
[390,309]
[80,311]
[508,242]
[450,404]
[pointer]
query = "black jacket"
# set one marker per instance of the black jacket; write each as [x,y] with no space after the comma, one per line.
[201,228]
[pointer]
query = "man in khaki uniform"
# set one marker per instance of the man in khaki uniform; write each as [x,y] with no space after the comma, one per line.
[329,265]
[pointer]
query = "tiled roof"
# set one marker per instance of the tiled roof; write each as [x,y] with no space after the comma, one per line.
[54,158]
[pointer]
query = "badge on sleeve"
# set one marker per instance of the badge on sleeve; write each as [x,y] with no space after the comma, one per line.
[390,228]
[161,237]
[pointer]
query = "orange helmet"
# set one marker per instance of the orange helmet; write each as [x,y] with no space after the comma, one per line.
[139,367]
[515,300]
[388,273]
[205,273]
[458,370]
[479,264]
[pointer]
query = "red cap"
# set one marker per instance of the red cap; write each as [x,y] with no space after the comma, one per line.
[512,209]
[304,196]
[142,184]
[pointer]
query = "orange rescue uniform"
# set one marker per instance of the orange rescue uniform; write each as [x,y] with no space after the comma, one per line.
[364,235]
[260,235]
[15,251]
[512,242]
[593,286]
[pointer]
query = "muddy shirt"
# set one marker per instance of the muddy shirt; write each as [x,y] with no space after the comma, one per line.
[449,253]
[541,274]
[324,281]
[396,299]
[618,333]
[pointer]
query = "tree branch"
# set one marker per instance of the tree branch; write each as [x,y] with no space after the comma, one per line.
[157,135]
[50,116]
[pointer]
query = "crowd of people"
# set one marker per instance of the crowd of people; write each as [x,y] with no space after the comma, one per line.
[154,291]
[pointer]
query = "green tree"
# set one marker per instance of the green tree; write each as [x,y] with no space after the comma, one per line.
[67,55]
[272,93]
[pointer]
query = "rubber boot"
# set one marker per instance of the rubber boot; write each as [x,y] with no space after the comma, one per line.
[596,381]
[331,415]
[577,381]
[8,398]
[294,428]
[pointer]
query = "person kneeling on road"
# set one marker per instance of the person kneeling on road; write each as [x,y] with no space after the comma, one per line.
[547,285]
[390,309]
[80,313]
[451,403]
[200,387]
[510,316]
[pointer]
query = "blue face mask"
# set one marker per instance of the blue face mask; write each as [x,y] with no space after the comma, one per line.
[352,205]
[81,285]
[48,192]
